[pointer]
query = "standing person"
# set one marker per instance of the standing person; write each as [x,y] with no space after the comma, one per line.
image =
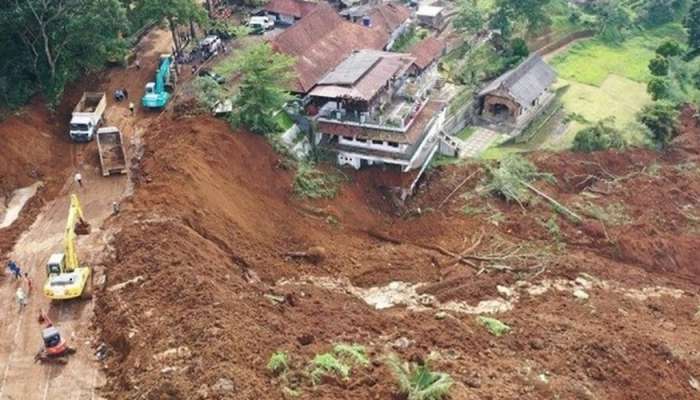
[29,283]
[137,63]
[131,108]
[14,269]
[115,208]
[21,298]
[126,93]
[78,179]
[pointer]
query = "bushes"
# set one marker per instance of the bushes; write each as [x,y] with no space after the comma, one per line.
[311,183]
[601,136]
[418,382]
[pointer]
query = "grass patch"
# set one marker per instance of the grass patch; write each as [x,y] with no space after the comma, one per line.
[441,160]
[617,97]
[418,382]
[494,326]
[339,362]
[352,352]
[466,133]
[591,61]
[312,183]
[279,363]
[327,364]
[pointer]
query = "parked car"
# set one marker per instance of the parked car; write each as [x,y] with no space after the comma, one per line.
[259,25]
[210,46]
[213,75]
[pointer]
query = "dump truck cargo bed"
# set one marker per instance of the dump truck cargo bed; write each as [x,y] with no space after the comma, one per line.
[111,150]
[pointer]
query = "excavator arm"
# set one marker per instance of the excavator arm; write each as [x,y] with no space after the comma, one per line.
[75,225]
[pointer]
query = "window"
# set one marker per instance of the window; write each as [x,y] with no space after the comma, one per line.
[393,144]
[361,140]
[349,138]
[379,142]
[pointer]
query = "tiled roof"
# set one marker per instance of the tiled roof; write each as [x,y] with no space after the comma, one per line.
[296,8]
[322,40]
[426,51]
[389,16]
[362,75]
[525,82]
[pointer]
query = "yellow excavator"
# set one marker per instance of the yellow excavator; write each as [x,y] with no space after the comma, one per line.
[66,278]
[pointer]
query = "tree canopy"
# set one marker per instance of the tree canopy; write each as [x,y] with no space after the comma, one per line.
[692,25]
[469,17]
[601,136]
[263,88]
[660,119]
[47,43]
[532,12]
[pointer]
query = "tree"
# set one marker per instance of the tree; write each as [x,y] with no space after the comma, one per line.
[57,40]
[657,12]
[613,20]
[469,18]
[669,48]
[263,88]
[532,12]
[176,13]
[660,118]
[659,88]
[692,25]
[601,136]
[502,23]
[659,66]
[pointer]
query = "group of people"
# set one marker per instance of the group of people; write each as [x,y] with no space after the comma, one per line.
[21,297]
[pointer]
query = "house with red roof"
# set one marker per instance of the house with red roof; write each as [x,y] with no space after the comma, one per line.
[287,12]
[320,41]
[392,19]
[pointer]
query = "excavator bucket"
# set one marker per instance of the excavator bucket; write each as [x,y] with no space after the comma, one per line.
[82,228]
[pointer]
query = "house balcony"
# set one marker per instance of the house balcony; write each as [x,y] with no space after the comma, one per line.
[395,116]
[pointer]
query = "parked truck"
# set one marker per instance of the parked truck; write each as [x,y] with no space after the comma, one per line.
[87,116]
[111,150]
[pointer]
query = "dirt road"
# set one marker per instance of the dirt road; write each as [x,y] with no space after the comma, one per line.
[20,377]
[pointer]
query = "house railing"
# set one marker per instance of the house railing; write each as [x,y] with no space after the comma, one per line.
[364,120]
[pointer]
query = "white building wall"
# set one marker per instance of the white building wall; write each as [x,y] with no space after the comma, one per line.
[384,146]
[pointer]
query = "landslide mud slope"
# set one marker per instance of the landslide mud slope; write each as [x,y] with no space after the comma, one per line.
[200,290]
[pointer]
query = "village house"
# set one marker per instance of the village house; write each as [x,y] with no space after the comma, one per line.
[320,41]
[431,17]
[366,115]
[517,96]
[287,12]
[392,19]
[424,70]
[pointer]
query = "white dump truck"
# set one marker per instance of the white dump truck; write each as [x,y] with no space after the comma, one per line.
[87,116]
[111,150]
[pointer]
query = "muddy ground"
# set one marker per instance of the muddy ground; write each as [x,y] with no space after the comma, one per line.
[201,289]
[213,218]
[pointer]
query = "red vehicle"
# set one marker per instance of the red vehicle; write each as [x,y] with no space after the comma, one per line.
[55,349]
